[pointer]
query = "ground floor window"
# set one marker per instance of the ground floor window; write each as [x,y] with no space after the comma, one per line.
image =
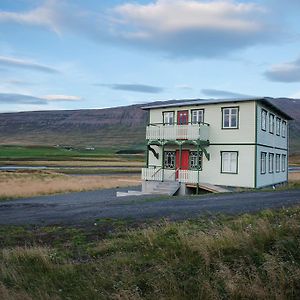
[229,162]
[263,162]
[277,163]
[169,159]
[283,162]
[271,162]
[195,161]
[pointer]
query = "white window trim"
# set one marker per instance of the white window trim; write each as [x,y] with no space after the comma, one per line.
[167,120]
[284,129]
[232,159]
[197,111]
[278,126]
[263,124]
[271,123]
[277,162]
[230,115]
[271,162]
[263,162]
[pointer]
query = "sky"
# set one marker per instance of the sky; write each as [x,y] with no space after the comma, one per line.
[72,54]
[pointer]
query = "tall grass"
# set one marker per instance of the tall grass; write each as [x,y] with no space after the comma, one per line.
[15,185]
[247,257]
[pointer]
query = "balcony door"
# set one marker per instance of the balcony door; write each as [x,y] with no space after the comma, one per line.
[183,163]
[183,117]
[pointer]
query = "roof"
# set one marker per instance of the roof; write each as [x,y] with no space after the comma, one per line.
[188,102]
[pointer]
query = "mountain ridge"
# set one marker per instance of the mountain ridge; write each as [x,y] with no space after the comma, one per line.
[96,127]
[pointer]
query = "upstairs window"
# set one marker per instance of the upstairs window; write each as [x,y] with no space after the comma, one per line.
[195,160]
[197,116]
[278,123]
[169,160]
[230,117]
[277,163]
[271,162]
[229,162]
[263,120]
[271,123]
[283,132]
[263,162]
[168,118]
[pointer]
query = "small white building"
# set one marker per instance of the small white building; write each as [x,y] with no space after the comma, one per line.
[228,142]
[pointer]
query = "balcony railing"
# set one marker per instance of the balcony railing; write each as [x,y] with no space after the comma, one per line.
[178,132]
[157,174]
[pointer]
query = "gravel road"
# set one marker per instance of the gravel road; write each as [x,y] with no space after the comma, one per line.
[83,207]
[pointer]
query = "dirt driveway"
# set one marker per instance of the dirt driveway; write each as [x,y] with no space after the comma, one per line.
[82,207]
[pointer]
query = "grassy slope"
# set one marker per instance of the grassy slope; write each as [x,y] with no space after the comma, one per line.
[246,257]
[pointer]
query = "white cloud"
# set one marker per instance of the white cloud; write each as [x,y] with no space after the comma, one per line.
[190,28]
[285,72]
[25,64]
[61,98]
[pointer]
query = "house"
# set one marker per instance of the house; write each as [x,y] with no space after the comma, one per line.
[225,142]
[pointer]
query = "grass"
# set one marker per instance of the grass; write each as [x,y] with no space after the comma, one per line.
[16,185]
[246,257]
[23,153]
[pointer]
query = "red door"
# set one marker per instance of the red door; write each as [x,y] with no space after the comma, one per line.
[184,160]
[182,117]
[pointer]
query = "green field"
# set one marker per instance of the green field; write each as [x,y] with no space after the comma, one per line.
[54,153]
[246,257]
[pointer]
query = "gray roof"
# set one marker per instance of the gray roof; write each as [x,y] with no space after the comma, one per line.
[188,102]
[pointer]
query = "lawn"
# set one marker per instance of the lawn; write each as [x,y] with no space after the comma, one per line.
[245,257]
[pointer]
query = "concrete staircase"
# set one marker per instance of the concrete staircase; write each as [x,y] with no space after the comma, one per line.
[166,188]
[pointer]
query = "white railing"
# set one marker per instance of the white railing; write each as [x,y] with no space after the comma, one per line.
[177,132]
[188,176]
[157,174]
[152,174]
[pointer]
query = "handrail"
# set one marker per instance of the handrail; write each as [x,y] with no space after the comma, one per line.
[156,172]
[176,123]
[176,170]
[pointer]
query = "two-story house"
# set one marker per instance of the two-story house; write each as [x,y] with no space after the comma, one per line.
[227,142]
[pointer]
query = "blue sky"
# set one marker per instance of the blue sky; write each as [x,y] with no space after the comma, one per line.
[61,54]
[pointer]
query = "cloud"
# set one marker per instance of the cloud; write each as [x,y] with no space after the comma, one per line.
[183,87]
[186,28]
[11,98]
[193,28]
[222,93]
[140,88]
[285,72]
[61,98]
[25,64]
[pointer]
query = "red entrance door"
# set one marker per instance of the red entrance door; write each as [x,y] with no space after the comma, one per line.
[184,161]
[182,117]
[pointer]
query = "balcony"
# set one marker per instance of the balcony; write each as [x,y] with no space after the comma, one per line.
[178,132]
[157,174]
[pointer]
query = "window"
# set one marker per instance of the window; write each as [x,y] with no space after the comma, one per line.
[271,123]
[230,117]
[229,162]
[195,161]
[278,123]
[168,118]
[197,116]
[277,163]
[263,119]
[283,162]
[271,162]
[169,159]
[263,162]
[283,132]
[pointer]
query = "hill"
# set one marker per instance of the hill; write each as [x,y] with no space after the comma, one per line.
[114,128]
